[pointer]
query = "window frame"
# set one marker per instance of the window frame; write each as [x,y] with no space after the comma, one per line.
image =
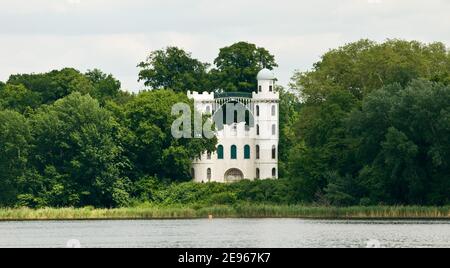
[209,174]
[247,152]
[233,152]
[220,152]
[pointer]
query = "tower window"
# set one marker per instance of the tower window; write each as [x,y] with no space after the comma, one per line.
[247,152]
[208,109]
[257,152]
[208,175]
[274,172]
[235,117]
[257,130]
[224,111]
[220,152]
[247,117]
[270,88]
[260,88]
[208,155]
[274,110]
[193,173]
[233,152]
[258,174]
[274,130]
[257,110]
[274,152]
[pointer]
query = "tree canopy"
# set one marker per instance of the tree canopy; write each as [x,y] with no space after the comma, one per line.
[15,141]
[238,65]
[73,139]
[173,68]
[234,69]
[152,148]
[371,126]
[364,66]
[75,154]
[54,85]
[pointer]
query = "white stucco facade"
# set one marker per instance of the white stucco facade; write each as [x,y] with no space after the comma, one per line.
[247,143]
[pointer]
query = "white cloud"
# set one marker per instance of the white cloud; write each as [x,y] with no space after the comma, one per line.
[115,35]
[74,2]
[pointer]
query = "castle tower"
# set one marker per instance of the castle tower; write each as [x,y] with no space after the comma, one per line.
[266,102]
[247,149]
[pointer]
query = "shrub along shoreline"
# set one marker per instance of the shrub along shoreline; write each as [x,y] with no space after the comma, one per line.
[224,211]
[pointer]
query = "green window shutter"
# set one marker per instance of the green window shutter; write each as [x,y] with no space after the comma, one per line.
[247,152]
[233,152]
[220,152]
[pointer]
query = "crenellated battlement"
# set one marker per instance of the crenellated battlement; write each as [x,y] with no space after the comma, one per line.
[266,96]
[205,96]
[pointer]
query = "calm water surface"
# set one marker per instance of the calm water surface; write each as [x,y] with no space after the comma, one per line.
[225,233]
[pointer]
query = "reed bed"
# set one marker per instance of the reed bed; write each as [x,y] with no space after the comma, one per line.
[237,211]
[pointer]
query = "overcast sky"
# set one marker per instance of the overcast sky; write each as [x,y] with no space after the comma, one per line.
[114,35]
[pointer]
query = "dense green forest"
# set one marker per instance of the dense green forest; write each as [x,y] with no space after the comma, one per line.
[369,124]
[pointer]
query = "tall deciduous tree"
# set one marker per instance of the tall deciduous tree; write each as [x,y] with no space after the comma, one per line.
[77,154]
[403,137]
[289,108]
[15,143]
[357,143]
[238,65]
[173,68]
[152,148]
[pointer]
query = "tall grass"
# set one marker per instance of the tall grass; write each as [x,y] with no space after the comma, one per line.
[223,211]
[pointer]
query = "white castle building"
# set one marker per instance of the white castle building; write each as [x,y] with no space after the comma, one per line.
[247,141]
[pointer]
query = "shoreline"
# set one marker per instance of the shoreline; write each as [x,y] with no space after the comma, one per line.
[228,212]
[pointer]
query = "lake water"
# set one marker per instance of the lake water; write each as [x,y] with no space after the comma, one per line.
[227,233]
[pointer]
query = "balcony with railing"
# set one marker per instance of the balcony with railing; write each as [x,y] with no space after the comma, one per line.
[233,95]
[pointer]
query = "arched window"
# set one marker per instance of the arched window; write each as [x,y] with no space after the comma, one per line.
[193,173]
[274,172]
[260,88]
[235,117]
[274,152]
[257,130]
[208,175]
[247,152]
[258,174]
[274,110]
[247,118]
[274,130]
[233,152]
[257,110]
[220,152]
[224,114]
[257,152]
[208,155]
